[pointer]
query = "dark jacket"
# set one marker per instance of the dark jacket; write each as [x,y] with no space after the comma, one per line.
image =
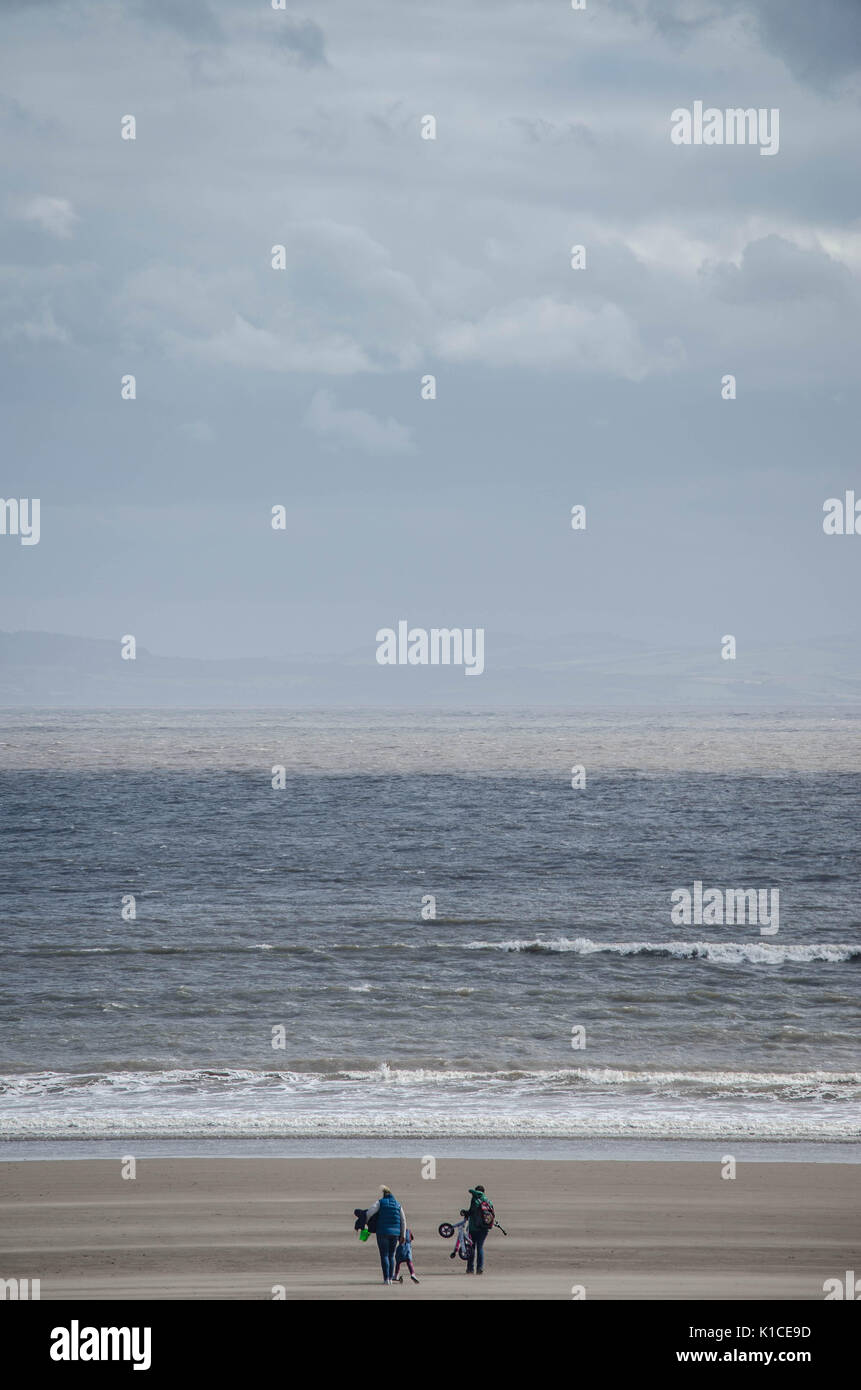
[389,1217]
[475,1220]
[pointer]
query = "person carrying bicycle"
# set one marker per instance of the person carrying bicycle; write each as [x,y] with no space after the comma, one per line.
[480,1219]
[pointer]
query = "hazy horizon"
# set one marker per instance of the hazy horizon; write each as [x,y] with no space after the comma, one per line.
[568,670]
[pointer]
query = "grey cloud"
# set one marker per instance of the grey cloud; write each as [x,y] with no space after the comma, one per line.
[676,20]
[47,303]
[547,333]
[340,307]
[539,131]
[193,19]
[819,41]
[14,114]
[772,269]
[356,429]
[41,328]
[304,40]
[407,257]
[54,215]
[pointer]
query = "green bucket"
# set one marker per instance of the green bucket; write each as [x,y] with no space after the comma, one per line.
[363,1235]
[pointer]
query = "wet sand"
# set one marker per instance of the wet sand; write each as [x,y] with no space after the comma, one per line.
[241,1228]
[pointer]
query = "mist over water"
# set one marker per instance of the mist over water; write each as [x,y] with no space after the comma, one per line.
[259,908]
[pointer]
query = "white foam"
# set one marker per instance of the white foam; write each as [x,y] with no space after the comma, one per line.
[435,1123]
[726,952]
[573,1082]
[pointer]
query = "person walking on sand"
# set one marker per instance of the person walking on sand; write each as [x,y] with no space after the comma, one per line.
[404,1256]
[480,1219]
[391,1229]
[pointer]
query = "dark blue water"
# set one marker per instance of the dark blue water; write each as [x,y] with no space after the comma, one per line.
[300,909]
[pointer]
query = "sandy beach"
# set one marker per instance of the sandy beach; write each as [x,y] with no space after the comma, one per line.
[230,1228]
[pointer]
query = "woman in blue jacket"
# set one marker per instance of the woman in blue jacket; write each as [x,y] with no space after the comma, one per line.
[391,1229]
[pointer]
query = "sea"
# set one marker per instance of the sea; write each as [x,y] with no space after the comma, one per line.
[324,931]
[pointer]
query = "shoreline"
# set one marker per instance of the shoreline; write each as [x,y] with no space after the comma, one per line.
[227,1228]
[527,1149]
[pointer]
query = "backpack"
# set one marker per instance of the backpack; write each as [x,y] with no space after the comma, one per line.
[486,1213]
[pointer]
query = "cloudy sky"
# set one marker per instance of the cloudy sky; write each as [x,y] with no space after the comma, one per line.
[302,127]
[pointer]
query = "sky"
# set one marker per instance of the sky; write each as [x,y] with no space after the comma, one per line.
[405,257]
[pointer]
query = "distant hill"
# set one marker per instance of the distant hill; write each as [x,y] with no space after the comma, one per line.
[48,670]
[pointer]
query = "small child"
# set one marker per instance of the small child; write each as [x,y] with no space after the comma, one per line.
[404,1256]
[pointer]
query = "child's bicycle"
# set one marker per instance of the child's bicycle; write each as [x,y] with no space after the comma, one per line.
[464,1243]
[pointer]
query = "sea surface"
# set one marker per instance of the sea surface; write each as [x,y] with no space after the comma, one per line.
[279,980]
